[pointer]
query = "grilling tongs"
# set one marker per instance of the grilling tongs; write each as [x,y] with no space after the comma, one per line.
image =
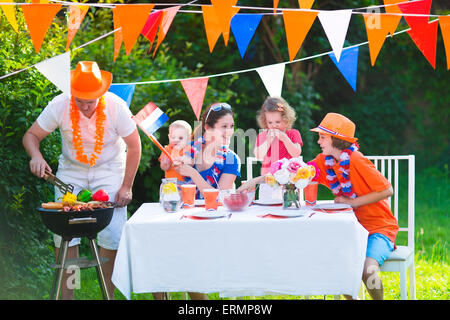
[63,187]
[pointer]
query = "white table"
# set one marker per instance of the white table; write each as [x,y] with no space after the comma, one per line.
[240,256]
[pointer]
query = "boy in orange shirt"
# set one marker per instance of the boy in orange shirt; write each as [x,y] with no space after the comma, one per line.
[354,180]
[179,147]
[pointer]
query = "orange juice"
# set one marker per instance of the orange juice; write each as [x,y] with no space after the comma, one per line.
[311,194]
[211,196]
[188,195]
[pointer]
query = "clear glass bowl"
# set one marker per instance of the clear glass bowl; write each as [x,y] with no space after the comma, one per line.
[234,201]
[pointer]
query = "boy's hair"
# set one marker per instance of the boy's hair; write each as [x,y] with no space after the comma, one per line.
[276,104]
[340,144]
[181,124]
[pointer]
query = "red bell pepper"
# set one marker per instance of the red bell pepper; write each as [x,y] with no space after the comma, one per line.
[100,195]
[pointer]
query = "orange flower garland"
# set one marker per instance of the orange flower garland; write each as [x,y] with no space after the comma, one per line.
[99,132]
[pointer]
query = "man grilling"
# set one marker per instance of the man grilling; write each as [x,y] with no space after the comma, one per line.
[101,149]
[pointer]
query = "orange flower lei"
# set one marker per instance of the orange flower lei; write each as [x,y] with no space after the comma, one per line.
[99,132]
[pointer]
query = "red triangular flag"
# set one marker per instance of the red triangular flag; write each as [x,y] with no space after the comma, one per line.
[151,26]
[195,90]
[417,7]
[39,17]
[425,37]
[167,18]
[444,22]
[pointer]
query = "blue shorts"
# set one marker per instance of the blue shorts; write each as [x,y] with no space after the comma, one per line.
[379,247]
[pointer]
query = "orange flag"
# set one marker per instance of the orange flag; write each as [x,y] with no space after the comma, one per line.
[38,18]
[224,13]
[212,26]
[378,26]
[275,5]
[76,16]
[444,22]
[305,4]
[297,25]
[10,14]
[132,18]
[168,16]
[393,9]
[118,37]
[195,90]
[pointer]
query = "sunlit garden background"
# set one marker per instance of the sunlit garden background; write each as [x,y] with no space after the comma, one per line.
[400,107]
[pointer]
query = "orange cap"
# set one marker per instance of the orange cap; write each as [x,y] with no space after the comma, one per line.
[87,81]
[337,125]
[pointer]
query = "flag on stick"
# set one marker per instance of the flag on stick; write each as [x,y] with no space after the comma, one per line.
[150,118]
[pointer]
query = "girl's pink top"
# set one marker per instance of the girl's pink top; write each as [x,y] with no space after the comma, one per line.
[277,150]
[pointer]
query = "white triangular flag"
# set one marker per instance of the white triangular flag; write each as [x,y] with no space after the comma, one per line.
[335,23]
[57,71]
[272,77]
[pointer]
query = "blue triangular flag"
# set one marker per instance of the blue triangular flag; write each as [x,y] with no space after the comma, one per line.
[125,91]
[348,65]
[244,27]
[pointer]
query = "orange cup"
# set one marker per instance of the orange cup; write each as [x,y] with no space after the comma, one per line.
[311,194]
[211,196]
[188,195]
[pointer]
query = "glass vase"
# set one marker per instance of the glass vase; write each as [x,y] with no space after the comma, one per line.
[290,197]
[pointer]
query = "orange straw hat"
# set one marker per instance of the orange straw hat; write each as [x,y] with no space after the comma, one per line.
[337,125]
[87,81]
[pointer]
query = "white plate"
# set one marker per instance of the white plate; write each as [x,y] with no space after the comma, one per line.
[292,213]
[199,202]
[332,206]
[207,214]
[268,202]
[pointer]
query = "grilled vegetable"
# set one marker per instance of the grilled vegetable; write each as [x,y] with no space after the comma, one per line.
[84,195]
[100,195]
[69,198]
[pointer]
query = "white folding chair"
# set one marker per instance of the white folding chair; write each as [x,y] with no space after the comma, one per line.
[402,259]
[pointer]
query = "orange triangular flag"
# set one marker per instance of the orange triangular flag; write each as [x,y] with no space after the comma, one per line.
[132,18]
[212,26]
[444,22]
[378,27]
[118,37]
[195,90]
[396,10]
[225,12]
[10,14]
[168,16]
[305,4]
[38,18]
[297,25]
[275,5]
[76,16]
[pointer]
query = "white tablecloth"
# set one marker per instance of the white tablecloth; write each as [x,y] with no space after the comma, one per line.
[243,255]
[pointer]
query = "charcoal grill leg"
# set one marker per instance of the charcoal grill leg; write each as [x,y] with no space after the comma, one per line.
[61,261]
[100,276]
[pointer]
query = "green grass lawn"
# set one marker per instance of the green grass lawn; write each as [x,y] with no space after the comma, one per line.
[431,256]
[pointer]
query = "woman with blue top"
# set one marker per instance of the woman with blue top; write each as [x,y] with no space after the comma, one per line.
[215,165]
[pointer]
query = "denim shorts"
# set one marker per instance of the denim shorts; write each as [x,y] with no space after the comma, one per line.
[379,247]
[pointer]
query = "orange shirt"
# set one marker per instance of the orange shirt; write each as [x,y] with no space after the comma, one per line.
[365,178]
[172,173]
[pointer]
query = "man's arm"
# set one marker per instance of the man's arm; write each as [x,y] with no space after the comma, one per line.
[31,142]
[133,142]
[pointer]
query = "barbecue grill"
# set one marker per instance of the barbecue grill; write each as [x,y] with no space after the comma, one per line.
[75,224]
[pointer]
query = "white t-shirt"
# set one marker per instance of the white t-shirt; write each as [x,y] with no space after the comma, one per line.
[118,123]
